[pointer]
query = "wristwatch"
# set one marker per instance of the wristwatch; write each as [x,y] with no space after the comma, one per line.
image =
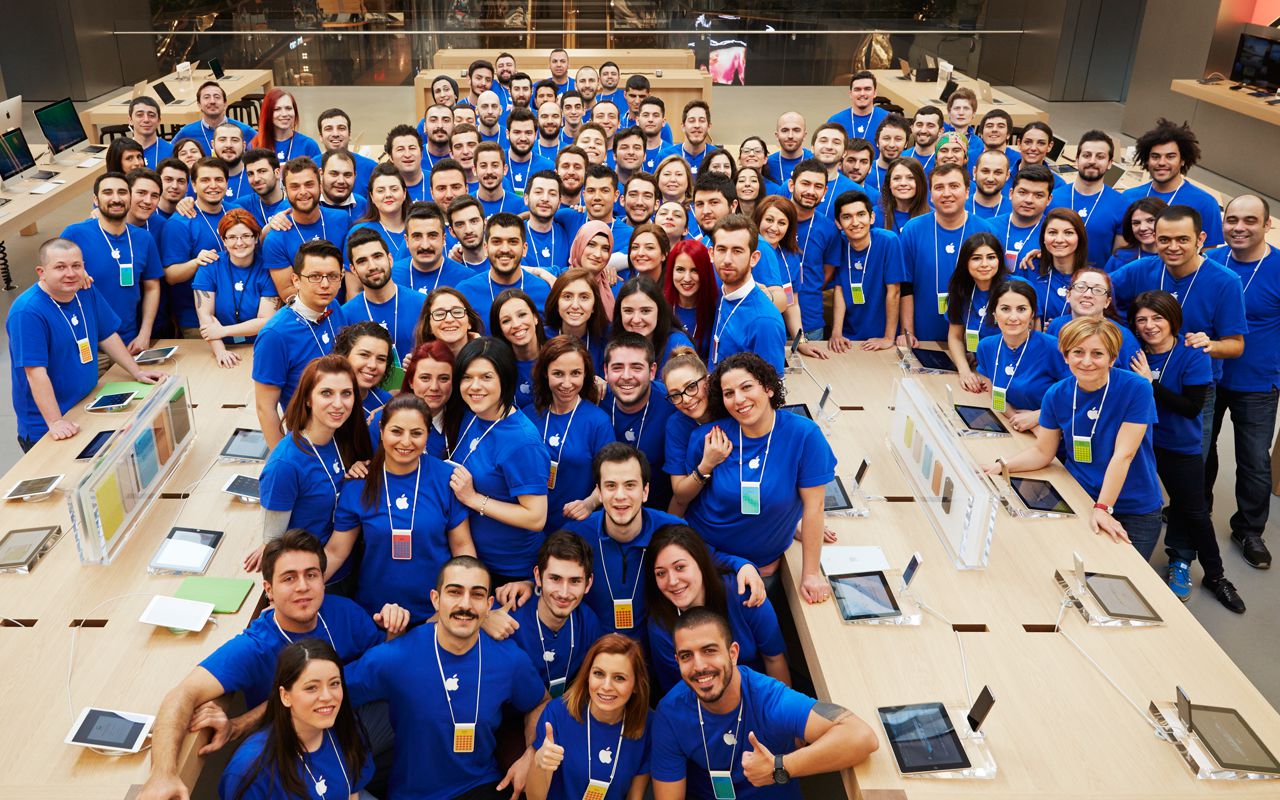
[1104,507]
[780,774]
[702,479]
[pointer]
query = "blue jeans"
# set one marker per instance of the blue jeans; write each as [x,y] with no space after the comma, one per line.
[1253,416]
[815,335]
[1143,530]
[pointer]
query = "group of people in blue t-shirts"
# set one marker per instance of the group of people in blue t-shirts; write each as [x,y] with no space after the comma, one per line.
[522,386]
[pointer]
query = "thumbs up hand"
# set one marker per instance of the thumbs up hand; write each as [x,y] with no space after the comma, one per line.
[550,755]
[757,763]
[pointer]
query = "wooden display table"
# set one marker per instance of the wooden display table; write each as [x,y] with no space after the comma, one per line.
[913,96]
[24,210]
[629,60]
[237,84]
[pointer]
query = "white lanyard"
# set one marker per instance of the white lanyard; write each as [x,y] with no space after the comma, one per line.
[491,294]
[719,329]
[525,177]
[622,557]
[386,489]
[217,239]
[702,725]
[1011,370]
[854,130]
[395,311]
[115,251]
[1086,215]
[1183,300]
[617,755]
[569,425]
[479,673]
[536,259]
[973,206]
[463,437]
[1048,290]
[546,663]
[324,232]
[1152,185]
[804,251]
[767,444]
[1008,229]
[321,788]
[310,326]
[1159,373]
[865,261]
[323,624]
[422,182]
[414,271]
[68,321]
[613,413]
[937,265]
[1256,264]
[325,466]
[287,154]
[1094,429]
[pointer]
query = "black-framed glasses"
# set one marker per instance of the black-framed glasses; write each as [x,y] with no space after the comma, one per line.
[317,278]
[457,312]
[689,391]
[1096,291]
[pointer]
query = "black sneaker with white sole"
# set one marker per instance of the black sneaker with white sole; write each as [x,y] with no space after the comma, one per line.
[1253,549]
[1225,592]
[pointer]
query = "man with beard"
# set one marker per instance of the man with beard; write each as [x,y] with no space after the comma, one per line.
[1021,226]
[548,240]
[479,81]
[309,221]
[462,144]
[404,150]
[522,162]
[262,168]
[144,195]
[828,149]
[228,147]
[504,72]
[620,531]
[651,119]
[855,163]
[489,118]
[505,246]
[441,747]
[1101,207]
[990,185]
[213,112]
[746,319]
[521,91]
[695,121]
[188,243]
[926,127]
[549,141]
[122,260]
[426,268]
[466,223]
[891,140]
[748,725]
[586,83]
[434,129]
[571,164]
[609,91]
[338,174]
[491,174]
[628,153]
[819,241]
[334,127]
[383,301]
[572,109]
[993,134]
[791,150]
[863,117]
[639,200]
[556,631]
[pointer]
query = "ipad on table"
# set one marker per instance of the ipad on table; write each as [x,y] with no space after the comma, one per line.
[1040,495]
[33,487]
[934,359]
[1119,598]
[246,444]
[980,418]
[923,738]
[1230,740]
[863,595]
[118,731]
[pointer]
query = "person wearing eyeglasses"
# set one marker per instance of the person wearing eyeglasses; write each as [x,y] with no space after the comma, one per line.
[307,221]
[295,335]
[235,295]
[1089,295]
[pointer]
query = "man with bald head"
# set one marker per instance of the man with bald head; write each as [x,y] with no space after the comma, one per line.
[549,124]
[489,118]
[1247,388]
[587,84]
[790,134]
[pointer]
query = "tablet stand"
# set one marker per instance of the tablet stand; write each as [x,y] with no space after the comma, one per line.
[1072,585]
[1188,744]
[859,501]
[982,763]
[795,363]
[912,366]
[962,430]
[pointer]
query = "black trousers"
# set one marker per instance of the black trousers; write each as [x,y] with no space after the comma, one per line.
[1190,532]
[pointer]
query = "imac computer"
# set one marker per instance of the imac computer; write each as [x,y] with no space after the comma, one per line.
[61,126]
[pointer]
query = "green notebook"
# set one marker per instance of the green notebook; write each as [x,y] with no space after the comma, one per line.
[117,387]
[226,594]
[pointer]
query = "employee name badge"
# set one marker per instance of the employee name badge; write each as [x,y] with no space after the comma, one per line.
[859,296]
[722,784]
[751,498]
[789,291]
[126,274]
[464,737]
[970,340]
[401,544]
[1082,449]
[999,400]
[596,790]
[624,616]
[942,303]
[557,688]
[551,477]
[86,351]
[239,339]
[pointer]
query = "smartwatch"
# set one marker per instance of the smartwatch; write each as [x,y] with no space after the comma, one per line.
[702,479]
[780,774]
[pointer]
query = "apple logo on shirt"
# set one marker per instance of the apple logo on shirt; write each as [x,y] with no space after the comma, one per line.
[546,252]
[981,311]
[474,444]
[1093,413]
[384,326]
[548,656]
[75,320]
[606,755]
[324,337]
[630,435]
[1084,212]
[451,683]
[730,739]
[1018,244]
[554,441]
[1008,370]
[525,388]
[337,468]
[239,286]
[951,248]
[402,502]
[754,463]
[1062,291]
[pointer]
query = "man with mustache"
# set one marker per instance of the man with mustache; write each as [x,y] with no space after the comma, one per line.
[267,199]
[1101,207]
[339,174]
[334,126]
[426,268]
[309,222]
[382,300]
[504,243]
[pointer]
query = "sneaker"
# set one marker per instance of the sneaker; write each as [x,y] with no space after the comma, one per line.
[1225,592]
[1254,550]
[1179,578]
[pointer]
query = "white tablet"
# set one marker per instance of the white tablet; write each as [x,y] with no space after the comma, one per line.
[33,488]
[156,355]
[119,731]
[244,487]
[112,402]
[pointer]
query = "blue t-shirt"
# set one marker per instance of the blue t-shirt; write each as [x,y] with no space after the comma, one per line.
[296,146]
[247,663]
[326,764]
[1212,297]
[675,338]
[1175,370]
[929,254]
[871,270]
[524,383]
[1188,194]
[237,291]
[645,430]
[364,168]
[507,460]
[519,172]
[420,502]
[549,250]
[280,247]
[1015,238]
[1258,368]
[423,713]
[558,654]
[305,480]
[397,244]
[1003,206]
[750,324]
[835,187]
[1051,292]
[975,314]
[776,714]
[449,273]
[1024,372]
[778,169]
[156,152]
[1103,216]
[679,428]
[481,290]
[755,630]
[609,757]
[1129,345]
[354,208]
[287,343]
[44,333]
[399,315]
[509,202]
[204,134]
[795,455]
[106,258]
[182,240]
[860,126]
[926,162]
[1128,399]
[588,429]
[261,210]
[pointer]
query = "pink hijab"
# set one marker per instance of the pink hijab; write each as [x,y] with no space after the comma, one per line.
[589,230]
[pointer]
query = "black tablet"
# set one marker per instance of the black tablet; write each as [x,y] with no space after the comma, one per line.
[95,444]
[246,444]
[1039,495]
[112,730]
[798,408]
[243,486]
[863,595]
[934,359]
[835,497]
[978,418]
[1231,741]
[1119,598]
[923,738]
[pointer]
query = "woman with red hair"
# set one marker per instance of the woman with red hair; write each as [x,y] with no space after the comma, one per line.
[280,129]
[689,284]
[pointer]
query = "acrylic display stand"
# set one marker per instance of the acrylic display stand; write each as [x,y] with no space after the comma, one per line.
[1197,756]
[1072,585]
